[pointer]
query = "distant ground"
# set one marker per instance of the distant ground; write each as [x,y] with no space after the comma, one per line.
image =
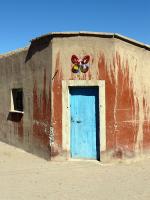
[24,176]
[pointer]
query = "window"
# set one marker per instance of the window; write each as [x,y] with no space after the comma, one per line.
[17,99]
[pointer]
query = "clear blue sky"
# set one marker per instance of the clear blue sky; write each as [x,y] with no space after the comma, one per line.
[23,20]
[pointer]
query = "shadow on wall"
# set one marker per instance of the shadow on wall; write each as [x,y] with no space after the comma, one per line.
[14,117]
[37,45]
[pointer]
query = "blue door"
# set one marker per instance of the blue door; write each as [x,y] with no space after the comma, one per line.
[84,112]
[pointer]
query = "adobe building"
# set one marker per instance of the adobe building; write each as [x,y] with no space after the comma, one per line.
[79,95]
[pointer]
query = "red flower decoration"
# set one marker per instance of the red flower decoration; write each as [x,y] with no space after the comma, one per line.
[75,59]
[85,59]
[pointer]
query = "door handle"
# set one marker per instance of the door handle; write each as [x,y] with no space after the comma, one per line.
[78,121]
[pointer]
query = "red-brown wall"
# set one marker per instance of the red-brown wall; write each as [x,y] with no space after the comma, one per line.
[127,132]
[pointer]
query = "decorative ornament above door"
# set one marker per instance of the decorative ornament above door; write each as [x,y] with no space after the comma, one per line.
[80,64]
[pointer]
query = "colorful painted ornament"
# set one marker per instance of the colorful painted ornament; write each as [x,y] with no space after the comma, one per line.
[75,69]
[84,68]
[80,64]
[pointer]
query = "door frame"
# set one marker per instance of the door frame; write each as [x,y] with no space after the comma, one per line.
[66,125]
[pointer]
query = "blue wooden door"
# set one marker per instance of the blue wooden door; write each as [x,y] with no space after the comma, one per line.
[84,112]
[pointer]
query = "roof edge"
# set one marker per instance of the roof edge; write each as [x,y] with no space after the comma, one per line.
[95,34]
[10,53]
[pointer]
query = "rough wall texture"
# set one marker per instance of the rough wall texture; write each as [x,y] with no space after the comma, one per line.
[125,69]
[29,69]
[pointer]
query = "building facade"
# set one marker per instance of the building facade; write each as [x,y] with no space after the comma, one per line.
[77,95]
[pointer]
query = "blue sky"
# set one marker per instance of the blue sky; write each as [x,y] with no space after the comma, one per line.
[23,20]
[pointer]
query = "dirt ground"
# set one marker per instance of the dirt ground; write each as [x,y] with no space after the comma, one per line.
[24,176]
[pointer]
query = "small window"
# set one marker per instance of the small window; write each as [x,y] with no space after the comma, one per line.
[17,99]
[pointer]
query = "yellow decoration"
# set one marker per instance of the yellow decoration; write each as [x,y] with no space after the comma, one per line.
[76,67]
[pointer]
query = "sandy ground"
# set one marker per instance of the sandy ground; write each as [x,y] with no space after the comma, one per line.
[25,176]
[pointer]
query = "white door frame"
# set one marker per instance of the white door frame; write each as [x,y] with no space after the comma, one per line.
[66,112]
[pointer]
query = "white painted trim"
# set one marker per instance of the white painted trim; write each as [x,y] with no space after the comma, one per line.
[16,111]
[12,102]
[66,111]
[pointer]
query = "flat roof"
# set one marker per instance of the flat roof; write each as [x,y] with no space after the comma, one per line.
[94,34]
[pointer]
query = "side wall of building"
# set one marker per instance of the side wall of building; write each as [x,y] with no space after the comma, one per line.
[125,69]
[29,69]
